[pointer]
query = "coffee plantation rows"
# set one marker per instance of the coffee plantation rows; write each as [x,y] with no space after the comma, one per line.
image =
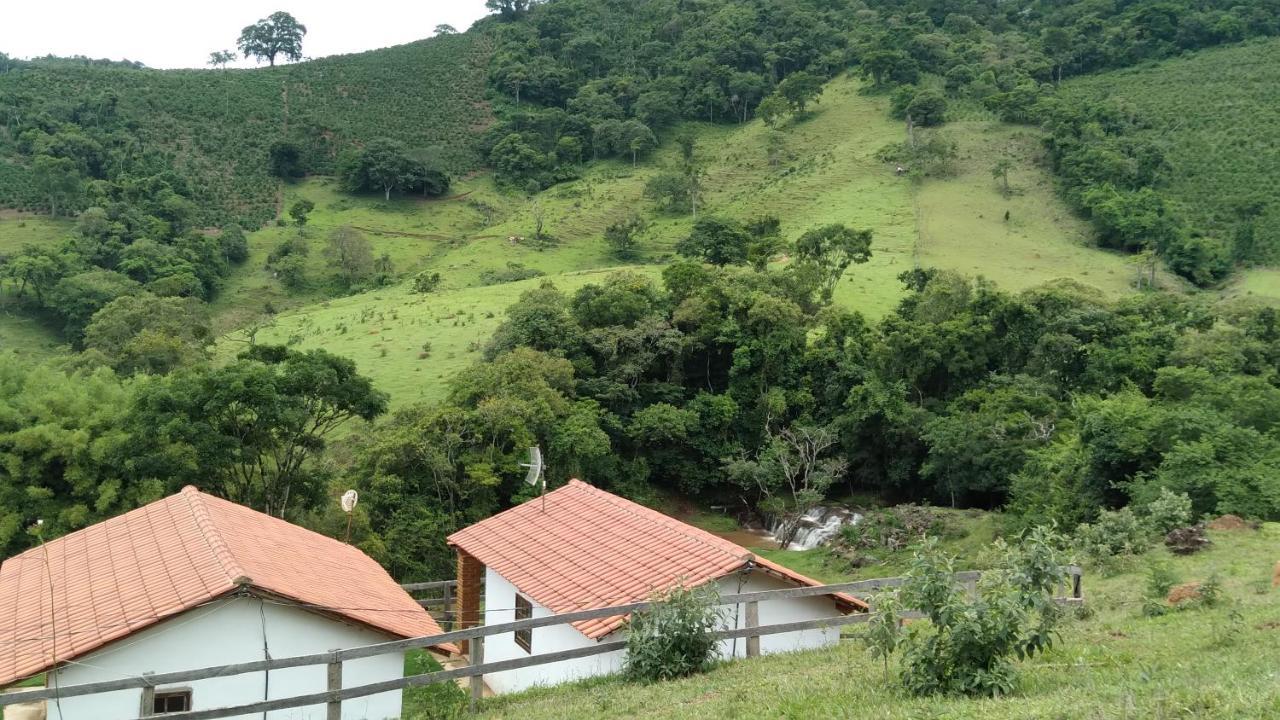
[215,127]
[1214,115]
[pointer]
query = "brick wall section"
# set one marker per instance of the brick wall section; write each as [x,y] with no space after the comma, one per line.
[470,573]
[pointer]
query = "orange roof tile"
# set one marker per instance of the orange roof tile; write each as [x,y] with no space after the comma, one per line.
[132,571]
[591,549]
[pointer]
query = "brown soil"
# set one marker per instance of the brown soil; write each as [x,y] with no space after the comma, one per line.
[1184,592]
[1230,522]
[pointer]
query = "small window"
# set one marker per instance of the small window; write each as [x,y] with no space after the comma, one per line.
[171,702]
[524,611]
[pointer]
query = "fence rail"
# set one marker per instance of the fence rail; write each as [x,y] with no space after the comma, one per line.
[335,694]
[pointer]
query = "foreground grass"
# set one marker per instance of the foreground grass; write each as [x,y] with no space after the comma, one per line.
[1198,663]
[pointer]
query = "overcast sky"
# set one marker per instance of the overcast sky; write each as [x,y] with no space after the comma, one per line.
[182,33]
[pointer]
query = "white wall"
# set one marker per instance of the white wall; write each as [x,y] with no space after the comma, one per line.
[775,612]
[500,596]
[231,631]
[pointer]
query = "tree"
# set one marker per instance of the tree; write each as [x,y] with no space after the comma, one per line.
[1000,172]
[791,474]
[829,250]
[58,180]
[248,431]
[445,29]
[279,34]
[508,9]
[383,164]
[148,334]
[221,58]
[299,211]
[799,89]
[285,157]
[351,253]
[621,236]
[60,435]
[927,108]
[716,241]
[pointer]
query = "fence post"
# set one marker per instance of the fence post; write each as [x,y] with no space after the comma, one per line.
[1077,585]
[448,607]
[477,681]
[753,621]
[333,709]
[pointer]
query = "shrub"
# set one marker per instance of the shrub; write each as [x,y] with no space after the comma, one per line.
[426,281]
[1116,532]
[1168,512]
[673,638]
[971,643]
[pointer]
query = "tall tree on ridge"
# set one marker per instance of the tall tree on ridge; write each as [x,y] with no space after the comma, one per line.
[279,34]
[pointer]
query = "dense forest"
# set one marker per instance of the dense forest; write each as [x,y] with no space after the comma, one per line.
[734,379]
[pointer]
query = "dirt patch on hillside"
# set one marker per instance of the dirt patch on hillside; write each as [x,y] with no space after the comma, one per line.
[1231,522]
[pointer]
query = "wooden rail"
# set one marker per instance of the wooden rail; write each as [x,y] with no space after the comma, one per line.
[333,660]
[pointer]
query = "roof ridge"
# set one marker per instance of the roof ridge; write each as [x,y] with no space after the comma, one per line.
[209,531]
[698,535]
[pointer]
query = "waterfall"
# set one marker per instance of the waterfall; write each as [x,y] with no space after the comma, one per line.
[815,527]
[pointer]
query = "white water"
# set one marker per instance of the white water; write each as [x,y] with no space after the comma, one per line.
[817,526]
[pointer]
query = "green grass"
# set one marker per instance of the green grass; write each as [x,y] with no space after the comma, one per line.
[829,174]
[1259,283]
[1214,114]
[384,331]
[962,221]
[1114,664]
[21,332]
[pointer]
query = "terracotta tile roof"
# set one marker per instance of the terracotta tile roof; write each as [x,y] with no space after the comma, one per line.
[590,549]
[132,571]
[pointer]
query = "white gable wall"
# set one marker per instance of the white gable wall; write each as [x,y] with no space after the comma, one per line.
[500,595]
[499,600]
[231,631]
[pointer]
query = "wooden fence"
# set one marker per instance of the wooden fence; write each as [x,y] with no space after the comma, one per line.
[437,597]
[332,697]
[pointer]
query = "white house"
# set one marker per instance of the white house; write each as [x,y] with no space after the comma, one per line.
[580,547]
[193,581]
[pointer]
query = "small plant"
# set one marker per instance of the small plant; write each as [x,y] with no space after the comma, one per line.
[884,631]
[672,638]
[426,348]
[1228,628]
[1160,580]
[1211,591]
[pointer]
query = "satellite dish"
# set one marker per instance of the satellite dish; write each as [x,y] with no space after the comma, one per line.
[536,472]
[349,500]
[535,466]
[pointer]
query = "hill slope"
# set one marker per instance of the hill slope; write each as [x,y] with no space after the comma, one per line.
[1214,114]
[830,174]
[215,127]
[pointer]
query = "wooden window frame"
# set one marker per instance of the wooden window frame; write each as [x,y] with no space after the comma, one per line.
[524,611]
[151,695]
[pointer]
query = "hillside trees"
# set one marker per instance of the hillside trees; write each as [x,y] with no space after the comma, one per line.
[829,250]
[387,165]
[279,34]
[59,436]
[351,253]
[249,431]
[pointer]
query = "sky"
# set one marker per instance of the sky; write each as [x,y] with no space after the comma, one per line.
[182,33]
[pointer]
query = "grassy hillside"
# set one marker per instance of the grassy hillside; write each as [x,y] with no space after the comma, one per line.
[214,127]
[829,174]
[1214,115]
[1112,663]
